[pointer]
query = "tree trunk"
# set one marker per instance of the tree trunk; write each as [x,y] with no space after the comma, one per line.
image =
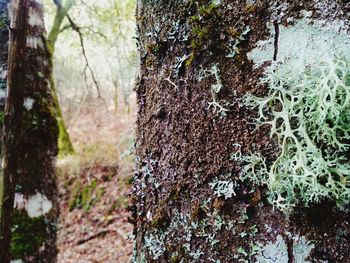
[198,194]
[4,37]
[65,145]
[29,142]
[3,53]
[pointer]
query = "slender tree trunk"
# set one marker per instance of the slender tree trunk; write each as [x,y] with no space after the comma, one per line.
[65,145]
[4,37]
[3,52]
[195,200]
[29,208]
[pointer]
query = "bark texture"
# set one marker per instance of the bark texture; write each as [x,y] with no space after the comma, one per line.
[3,50]
[30,142]
[4,37]
[185,145]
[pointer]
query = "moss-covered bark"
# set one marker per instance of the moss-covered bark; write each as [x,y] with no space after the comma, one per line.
[190,203]
[30,141]
[65,145]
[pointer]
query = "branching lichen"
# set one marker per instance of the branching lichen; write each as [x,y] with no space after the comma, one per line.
[223,188]
[309,115]
[218,106]
[155,244]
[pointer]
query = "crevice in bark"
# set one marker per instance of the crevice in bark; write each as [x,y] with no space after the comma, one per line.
[277,33]
[289,242]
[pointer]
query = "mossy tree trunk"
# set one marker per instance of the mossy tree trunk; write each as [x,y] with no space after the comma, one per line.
[29,205]
[199,60]
[65,145]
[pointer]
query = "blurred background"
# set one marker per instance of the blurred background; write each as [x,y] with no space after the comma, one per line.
[95,67]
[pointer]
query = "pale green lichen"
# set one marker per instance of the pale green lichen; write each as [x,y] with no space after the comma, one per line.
[309,115]
[273,252]
[277,251]
[155,244]
[307,109]
[223,188]
[218,106]
[233,44]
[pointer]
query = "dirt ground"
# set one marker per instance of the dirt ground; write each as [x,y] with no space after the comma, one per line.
[93,188]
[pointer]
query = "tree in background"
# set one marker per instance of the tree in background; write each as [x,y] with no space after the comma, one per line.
[106,27]
[117,20]
[28,204]
[64,143]
[243,132]
[98,29]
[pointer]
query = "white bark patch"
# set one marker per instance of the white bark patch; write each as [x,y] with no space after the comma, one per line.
[3,163]
[36,205]
[2,94]
[3,74]
[28,103]
[305,43]
[35,42]
[20,202]
[16,261]
[35,18]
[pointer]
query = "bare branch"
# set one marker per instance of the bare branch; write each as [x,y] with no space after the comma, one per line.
[87,64]
[94,31]
[64,28]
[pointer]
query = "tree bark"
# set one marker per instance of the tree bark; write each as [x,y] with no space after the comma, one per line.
[4,37]
[3,52]
[30,208]
[199,60]
[65,145]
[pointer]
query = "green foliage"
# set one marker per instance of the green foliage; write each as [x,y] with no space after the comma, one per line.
[4,20]
[309,115]
[28,234]
[85,196]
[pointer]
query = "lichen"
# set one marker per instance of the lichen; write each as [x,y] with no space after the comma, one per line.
[308,112]
[216,105]
[28,103]
[155,244]
[223,188]
[274,252]
[236,40]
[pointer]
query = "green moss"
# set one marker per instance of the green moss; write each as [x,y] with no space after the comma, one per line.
[202,28]
[4,21]
[86,196]
[251,8]
[64,143]
[1,118]
[28,234]
[120,203]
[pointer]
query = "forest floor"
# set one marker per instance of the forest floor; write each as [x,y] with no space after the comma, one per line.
[93,188]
